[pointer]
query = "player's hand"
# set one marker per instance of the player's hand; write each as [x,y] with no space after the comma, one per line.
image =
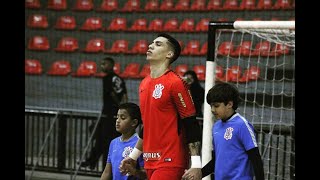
[192,174]
[127,165]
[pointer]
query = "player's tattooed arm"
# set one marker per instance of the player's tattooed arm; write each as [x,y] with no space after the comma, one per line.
[194,148]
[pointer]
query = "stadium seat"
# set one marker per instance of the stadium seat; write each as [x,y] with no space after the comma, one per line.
[119,46]
[156,25]
[145,71]
[83,5]
[282,4]
[198,5]
[200,71]
[60,68]
[140,47]
[187,25]
[117,24]
[131,6]
[182,5]
[92,24]
[248,5]
[85,69]
[95,45]
[131,71]
[262,48]
[139,25]
[214,5]
[32,4]
[67,44]
[65,23]
[250,74]
[37,21]
[231,5]
[265,5]
[219,73]
[233,74]
[171,25]
[244,49]
[167,5]
[39,43]
[32,67]
[225,48]
[192,48]
[204,49]
[181,69]
[202,25]
[108,5]
[58,5]
[279,49]
[152,6]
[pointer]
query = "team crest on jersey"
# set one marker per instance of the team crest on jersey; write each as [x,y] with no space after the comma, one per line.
[126,151]
[157,92]
[228,133]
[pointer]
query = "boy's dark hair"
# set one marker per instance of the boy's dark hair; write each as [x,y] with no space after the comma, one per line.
[110,59]
[223,92]
[133,111]
[175,44]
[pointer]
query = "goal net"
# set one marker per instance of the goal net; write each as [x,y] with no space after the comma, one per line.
[259,58]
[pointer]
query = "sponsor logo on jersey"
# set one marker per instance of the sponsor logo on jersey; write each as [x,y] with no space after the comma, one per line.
[157,92]
[151,156]
[228,133]
[182,100]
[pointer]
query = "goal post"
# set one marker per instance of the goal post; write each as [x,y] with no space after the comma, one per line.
[259,58]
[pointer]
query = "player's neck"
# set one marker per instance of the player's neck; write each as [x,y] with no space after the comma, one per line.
[158,69]
[127,136]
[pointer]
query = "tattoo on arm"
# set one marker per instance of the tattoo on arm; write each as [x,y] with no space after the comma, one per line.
[194,148]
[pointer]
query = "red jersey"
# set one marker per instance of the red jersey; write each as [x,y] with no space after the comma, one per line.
[164,101]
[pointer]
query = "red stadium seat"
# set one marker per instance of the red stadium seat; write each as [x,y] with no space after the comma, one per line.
[130,6]
[202,25]
[187,25]
[131,71]
[108,5]
[248,5]
[262,48]
[145,71]
[244,49]
[65,23]
[37,21]
[152,6]
[139,25]
[85,69]
[38,43]
[265,5]
[83,5]
[32,67]
[198,5]
[119,46]
[156,25]
[118,24]
[192,48]
[204,49]
[181,69]
[140,47]
[32,4]
[60,68]
[231,5]
[92,24]
[225,48]
[279,49]
[215,5]
[171,25]
[182,5]
[219,73]
[67,44]
[233,74]
[282,4]
[250,74]
[58,5]
[200,71]
[167,5]
[95,45]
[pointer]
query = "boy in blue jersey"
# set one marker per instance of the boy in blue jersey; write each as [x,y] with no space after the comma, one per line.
[128,119]
[235,150]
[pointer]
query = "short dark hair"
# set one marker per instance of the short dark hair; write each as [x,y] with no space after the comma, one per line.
[224,92]
[133,111]
[175,44]
[110,59]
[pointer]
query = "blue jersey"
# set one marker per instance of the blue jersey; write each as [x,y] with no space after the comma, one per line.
[118,150]
[231,140]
